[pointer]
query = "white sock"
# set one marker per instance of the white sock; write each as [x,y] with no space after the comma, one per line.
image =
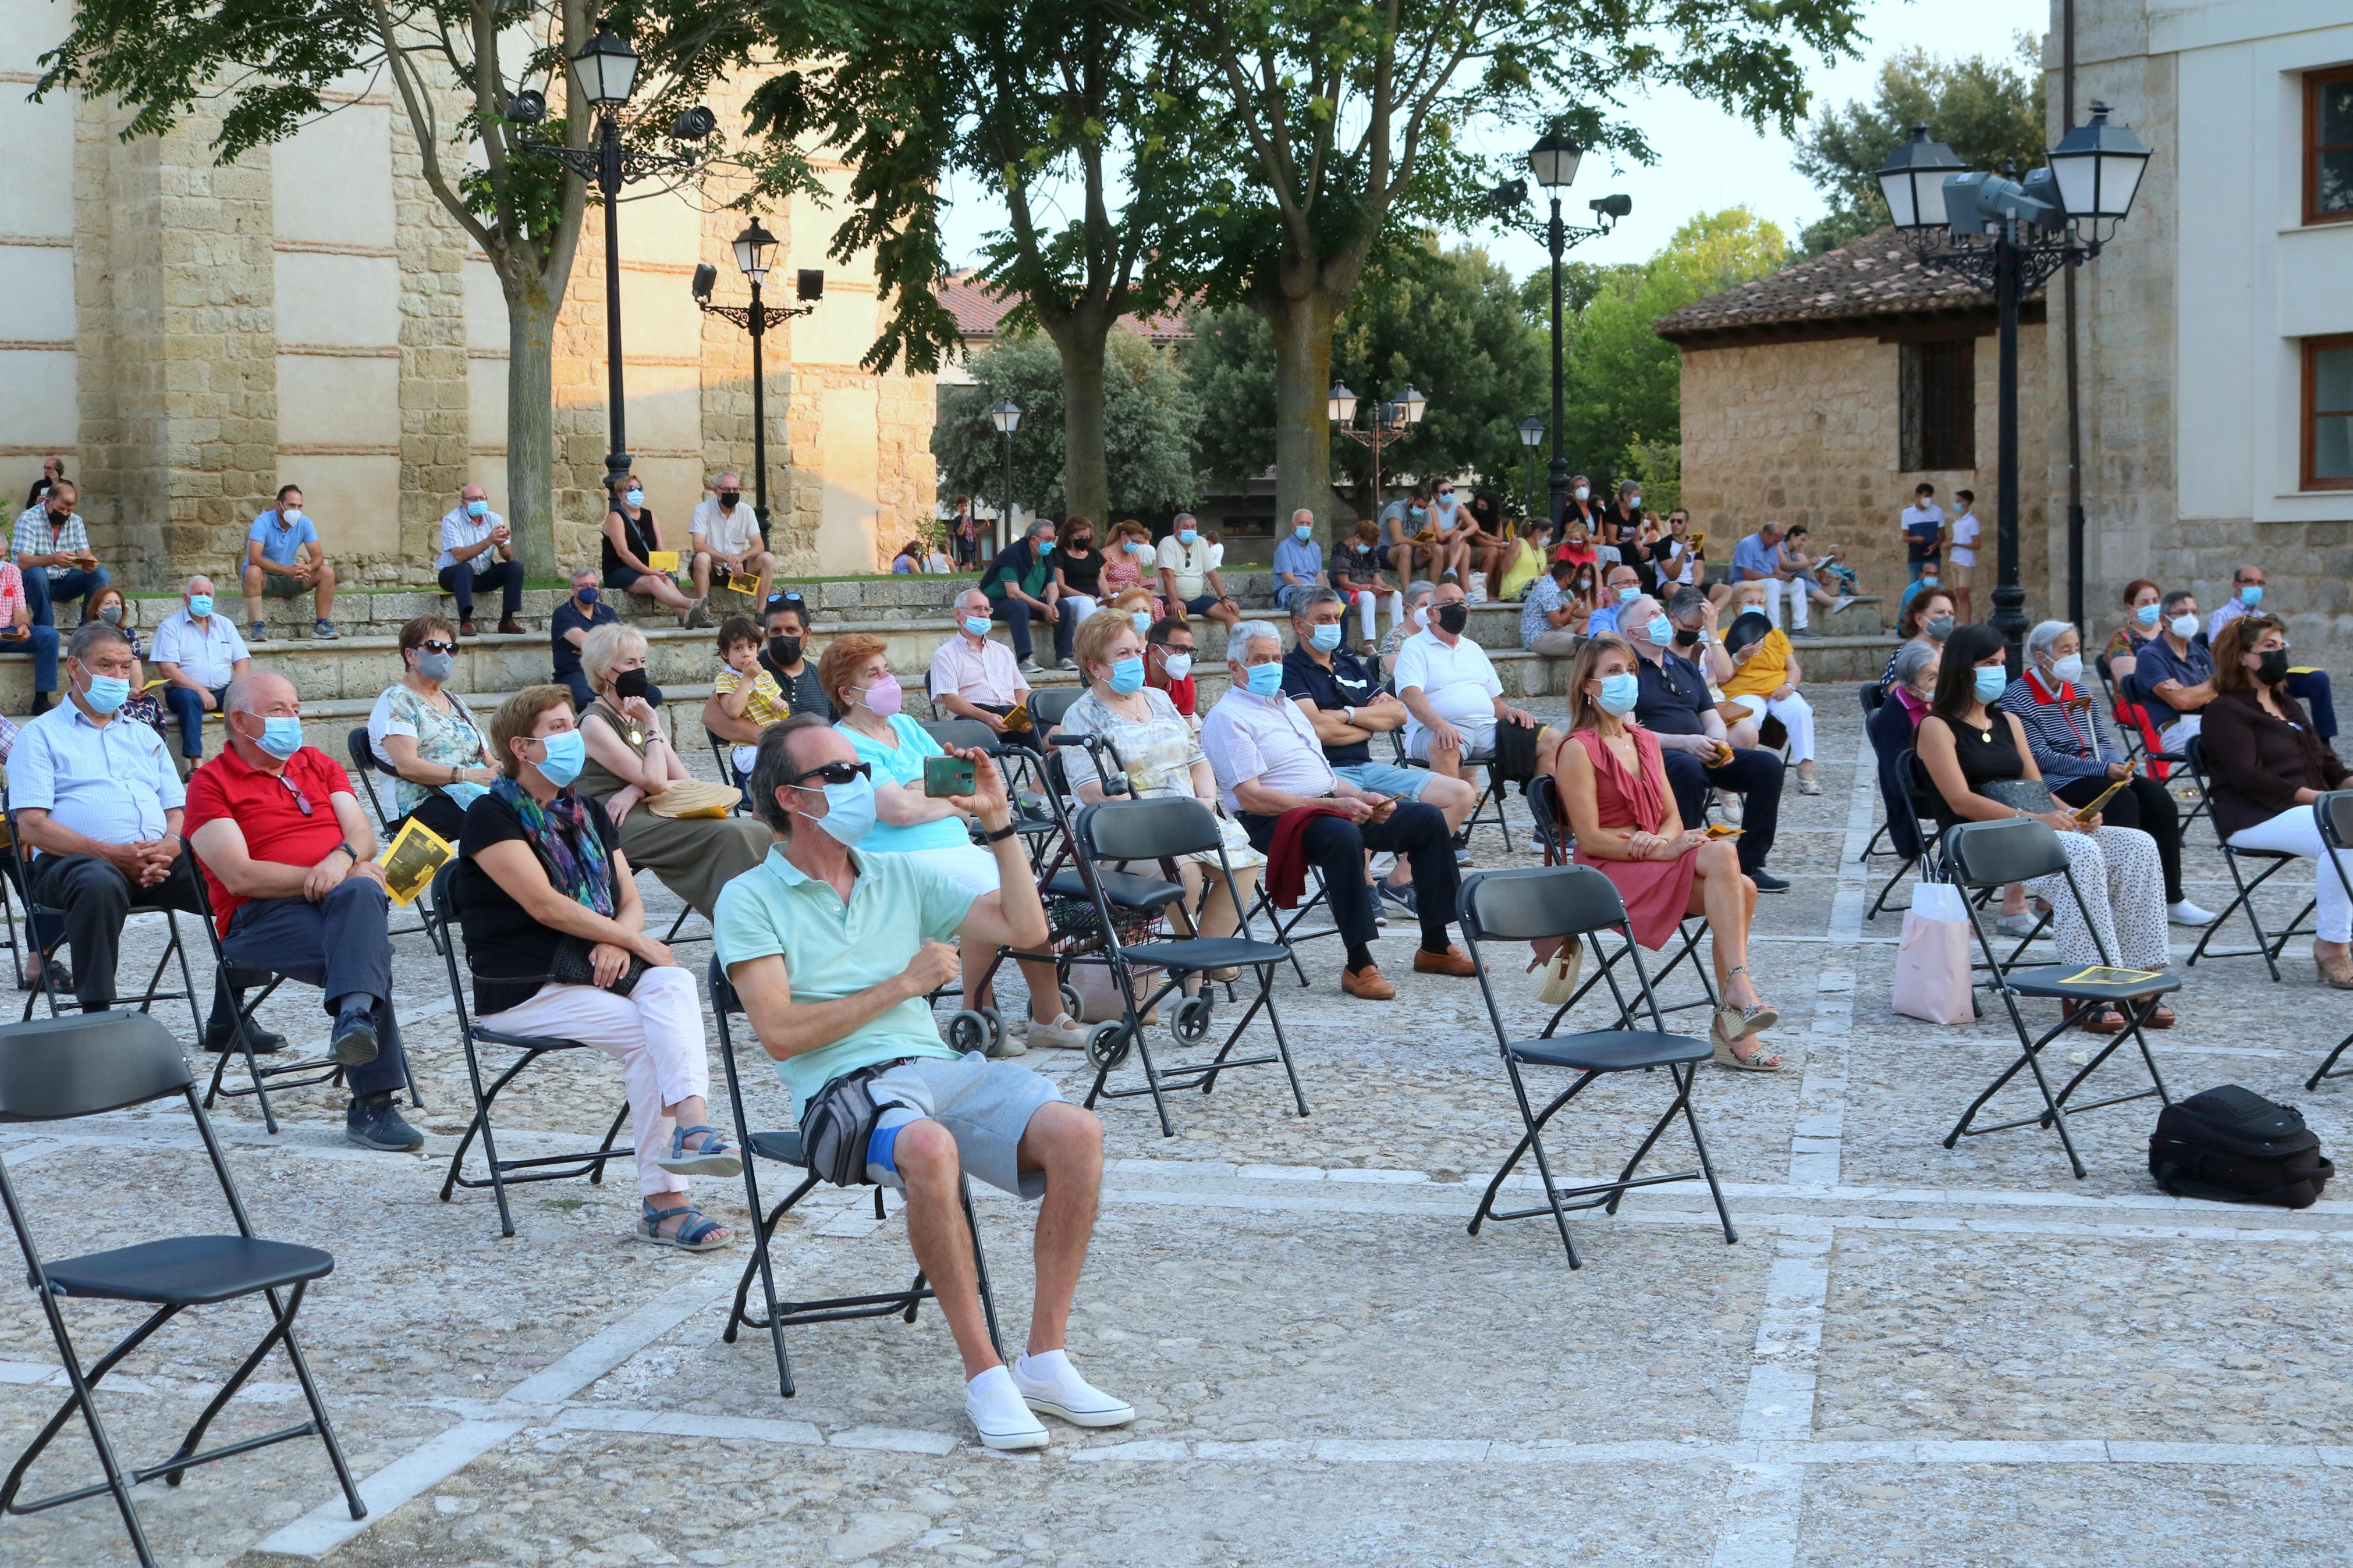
[995,1388]
[1047,1366]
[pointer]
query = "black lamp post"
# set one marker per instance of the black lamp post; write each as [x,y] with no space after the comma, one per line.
[1391,423]
[753,248]
[2007,237]
[1007,418]
[1532,434]
[1553,162]
[605,71]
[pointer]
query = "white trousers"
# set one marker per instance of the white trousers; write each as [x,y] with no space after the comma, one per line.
[1797,716]
[2175,735]
[1795,589]
[656,1032]
[2293,832]
[1367,622]
[1081,606]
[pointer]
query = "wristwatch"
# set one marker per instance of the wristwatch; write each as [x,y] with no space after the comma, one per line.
[347,849]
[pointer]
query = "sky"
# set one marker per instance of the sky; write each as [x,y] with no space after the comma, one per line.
[1707,159]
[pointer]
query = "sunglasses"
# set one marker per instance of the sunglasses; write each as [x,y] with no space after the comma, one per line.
[295,790]
[435,645]
[836,773]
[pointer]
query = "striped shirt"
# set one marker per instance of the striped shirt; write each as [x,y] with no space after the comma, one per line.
[33,537]
[2065,732]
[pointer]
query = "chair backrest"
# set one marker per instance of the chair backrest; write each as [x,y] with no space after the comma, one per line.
[1987,854]
[86,1064]
[2335,814]
[1873,695]
[964,733]
[1155,829]
[363,757]
[724,999]
[1048,703]
[1552,900]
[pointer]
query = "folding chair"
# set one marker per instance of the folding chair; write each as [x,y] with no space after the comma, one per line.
[45,986]
[1982,855]
[1574,903]
[1874,697]
[784,1148]
[2267,947]
[60,1068]
[1109,832]
[505,1174]
[365,766]
[1491,790]
[720,754]
[2333,812]
[1048,703]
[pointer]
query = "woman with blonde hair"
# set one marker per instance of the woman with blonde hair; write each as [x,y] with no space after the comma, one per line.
[630,763]
[1614,788]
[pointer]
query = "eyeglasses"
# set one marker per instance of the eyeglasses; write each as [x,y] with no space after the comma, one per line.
[435,645]
[296,791]
[836,773]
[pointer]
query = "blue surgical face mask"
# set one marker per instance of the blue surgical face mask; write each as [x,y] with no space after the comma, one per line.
[2148,614]
[976,624]
[1142,619]
[2252,594]
[849,811]
[1127,674]
[200,605]
[1626,596]
[587,596]
[1633,503]
[107,692]
[477,508]
[568,754]
[1137,547]
[635,497]
[1185,536]
[1324,637]
[1661,630]
[1991,681]
[281,737]
[1264,680]
[1304,533]
[1618,693]
[1927,581]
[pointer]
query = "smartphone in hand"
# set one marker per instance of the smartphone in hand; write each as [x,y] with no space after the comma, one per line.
[945,776]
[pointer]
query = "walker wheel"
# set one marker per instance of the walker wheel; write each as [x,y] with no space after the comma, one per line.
[1107,1044]
[1190,1023]
[968,1031]
[1070,1003]
[996,1029]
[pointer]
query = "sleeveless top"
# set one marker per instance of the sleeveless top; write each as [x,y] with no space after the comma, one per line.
[644,536]
[1986,756]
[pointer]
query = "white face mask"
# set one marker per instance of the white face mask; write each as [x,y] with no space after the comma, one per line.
[2069,669]
[2185,626]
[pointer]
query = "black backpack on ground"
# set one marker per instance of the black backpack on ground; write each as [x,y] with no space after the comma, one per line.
[2232,1145]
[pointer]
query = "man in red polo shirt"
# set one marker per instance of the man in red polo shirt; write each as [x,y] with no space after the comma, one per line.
[296,891]
[1168,664]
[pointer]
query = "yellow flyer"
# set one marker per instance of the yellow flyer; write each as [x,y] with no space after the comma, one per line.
[745,583]
[2100,976]
[662,560]
[414,853]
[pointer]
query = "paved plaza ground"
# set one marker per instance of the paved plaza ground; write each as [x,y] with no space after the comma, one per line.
[1910,1355]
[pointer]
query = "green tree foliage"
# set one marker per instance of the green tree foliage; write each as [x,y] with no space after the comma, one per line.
[1625,382]
[1151,415]
[1449,321]
[1989,111]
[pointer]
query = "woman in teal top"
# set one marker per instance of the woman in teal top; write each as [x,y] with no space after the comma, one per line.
[856,674]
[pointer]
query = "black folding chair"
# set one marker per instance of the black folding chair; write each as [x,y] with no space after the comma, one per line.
[1577,903]
[1874,697]
[45,985]
[2333,812]
[1490,787]
[60,1068]
[505,1174]
[2273,861]
[1048,703]
[365,766]
[1110,831]
[1982,855]
[722,752]
[1544,801]
[784,1148]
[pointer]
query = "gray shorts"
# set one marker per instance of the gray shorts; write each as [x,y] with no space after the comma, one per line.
[985,1105]
[1387,778]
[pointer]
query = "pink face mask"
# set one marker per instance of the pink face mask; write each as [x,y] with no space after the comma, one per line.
[884,697]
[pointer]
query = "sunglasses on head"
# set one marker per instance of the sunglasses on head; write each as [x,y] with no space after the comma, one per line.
[836,773]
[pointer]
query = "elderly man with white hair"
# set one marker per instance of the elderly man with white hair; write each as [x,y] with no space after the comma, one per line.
[727,541]
[974,676]
[199,653]
[1270,763]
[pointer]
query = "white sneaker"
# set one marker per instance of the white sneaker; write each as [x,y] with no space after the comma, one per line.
[1049,1383]
[1063,1034]
[2186,913]
[998,1412]
[1843,601]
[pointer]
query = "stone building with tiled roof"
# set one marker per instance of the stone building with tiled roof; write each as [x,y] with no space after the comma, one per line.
[1823,393]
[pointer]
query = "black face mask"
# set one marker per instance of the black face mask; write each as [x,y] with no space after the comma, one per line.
[629,684]
[1452,618]
[727,499]
[784,651]
[2271,668]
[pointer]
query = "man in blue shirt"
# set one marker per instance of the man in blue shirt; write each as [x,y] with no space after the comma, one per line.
[1758,559]
[2175,674]
[1620,589]
[1297,561]
[284,559]
[833,953]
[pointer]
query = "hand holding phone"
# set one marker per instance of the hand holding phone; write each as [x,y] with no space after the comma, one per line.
[948,776]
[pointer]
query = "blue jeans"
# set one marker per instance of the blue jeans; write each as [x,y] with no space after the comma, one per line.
[189,710]
[41,642]
[2312,690]
[1017,614]
[41,590]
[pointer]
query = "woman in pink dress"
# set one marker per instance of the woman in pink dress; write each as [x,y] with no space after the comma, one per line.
[1623,817]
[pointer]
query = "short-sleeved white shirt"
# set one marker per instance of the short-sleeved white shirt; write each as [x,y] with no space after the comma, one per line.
[1249,737]
[725,533]
[206,653]
[1459,682]
[1191,564]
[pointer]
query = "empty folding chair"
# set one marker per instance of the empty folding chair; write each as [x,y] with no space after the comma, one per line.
[1110,831]
[2267,945]
[1982,856]
[2333,812]
[1048,703]
[45,987]
[59,1068]
[784,1148]
[502,1173]
[1574,903]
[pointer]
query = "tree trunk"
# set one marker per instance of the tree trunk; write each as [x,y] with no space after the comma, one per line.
[1080,339]
[531,426]
[1303,428]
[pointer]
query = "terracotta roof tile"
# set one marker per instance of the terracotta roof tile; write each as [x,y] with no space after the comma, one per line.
[1876,276]
[980,310]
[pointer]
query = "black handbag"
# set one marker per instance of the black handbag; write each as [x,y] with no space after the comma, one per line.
[572,966]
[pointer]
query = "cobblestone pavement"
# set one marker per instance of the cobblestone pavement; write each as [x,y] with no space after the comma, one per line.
[1910,1355]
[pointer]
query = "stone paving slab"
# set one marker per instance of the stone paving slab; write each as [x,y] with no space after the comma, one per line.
[1911,1354]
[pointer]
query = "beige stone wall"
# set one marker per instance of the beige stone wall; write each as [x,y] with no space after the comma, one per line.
[1807,432]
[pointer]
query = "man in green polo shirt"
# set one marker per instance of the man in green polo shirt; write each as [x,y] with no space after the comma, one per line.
[833,954]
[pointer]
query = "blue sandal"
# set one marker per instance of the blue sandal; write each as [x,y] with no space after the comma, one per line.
[714,1158]
[693,1233]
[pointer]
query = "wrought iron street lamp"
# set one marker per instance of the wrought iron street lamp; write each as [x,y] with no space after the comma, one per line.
[1391,423]
[2007,237]
[1553,161]
[1007,418]
[605,72]
[1532,434]
[755,247]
